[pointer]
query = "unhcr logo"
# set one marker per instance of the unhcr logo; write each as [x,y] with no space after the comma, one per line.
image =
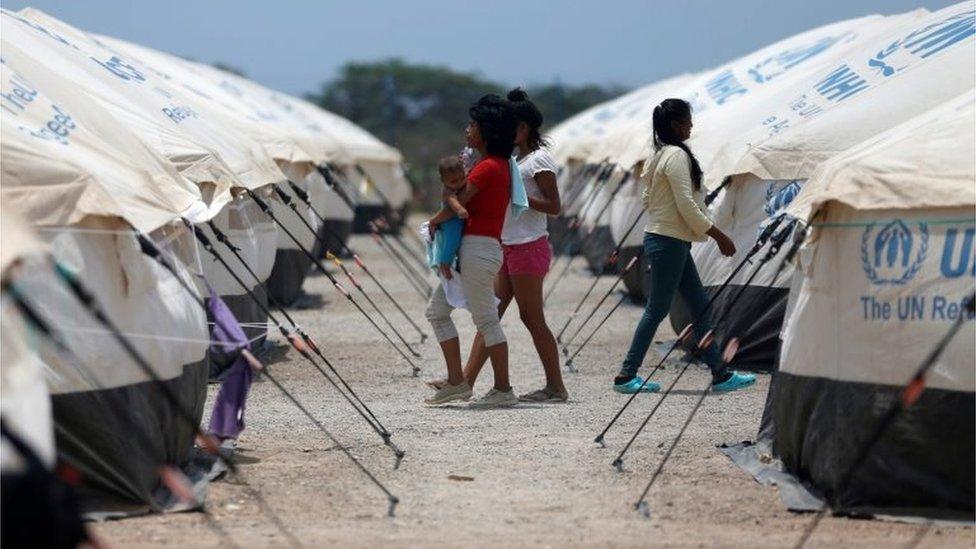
[893,254]
[776,200]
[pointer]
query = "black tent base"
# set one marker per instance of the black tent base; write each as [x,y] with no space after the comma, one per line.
[118,471]
[563,240]
[333,236]
[364,214]
[636,279]
[598,247]
[756,320]
[287,276]
[921,467]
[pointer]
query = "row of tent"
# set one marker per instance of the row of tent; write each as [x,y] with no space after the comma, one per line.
[864,130]
[104,141]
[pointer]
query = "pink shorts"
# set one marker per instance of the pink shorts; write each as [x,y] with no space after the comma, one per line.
[529,259]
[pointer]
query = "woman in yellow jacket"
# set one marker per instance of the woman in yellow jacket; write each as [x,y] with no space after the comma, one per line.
[675,207]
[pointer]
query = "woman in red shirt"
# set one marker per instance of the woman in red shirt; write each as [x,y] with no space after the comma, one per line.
[486,195]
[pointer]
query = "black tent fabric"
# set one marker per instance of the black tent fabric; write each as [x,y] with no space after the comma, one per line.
[596,248]
[564,240]
[636,280]
[929,449]
[366,214]
[922,466]
[119,474]
[285,282]
[40,509]
[756,319]
[333,235]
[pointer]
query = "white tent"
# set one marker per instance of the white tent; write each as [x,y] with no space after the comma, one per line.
[777,146]
[575,137]
[374,167]
[24,399]
[284,270]
[175,123]
[85,195]
[880,278]
[722,100]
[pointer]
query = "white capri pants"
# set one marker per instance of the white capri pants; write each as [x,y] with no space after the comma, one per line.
[480,258]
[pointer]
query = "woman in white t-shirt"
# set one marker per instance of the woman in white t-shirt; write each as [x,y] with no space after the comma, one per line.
[527,254]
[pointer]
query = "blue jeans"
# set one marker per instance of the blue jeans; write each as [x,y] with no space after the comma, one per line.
[672,270]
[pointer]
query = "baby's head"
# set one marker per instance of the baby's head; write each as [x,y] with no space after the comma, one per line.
[452,172]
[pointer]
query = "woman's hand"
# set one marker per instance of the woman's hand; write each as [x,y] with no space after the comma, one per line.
[725,244]
[445,270]
[432,226]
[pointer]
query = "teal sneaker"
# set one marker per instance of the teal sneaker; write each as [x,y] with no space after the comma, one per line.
[734,382]
[634,385]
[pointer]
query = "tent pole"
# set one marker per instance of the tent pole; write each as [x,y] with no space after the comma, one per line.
[760,242]
[420,278]
[776,242]
[335,283]
[591,232]
[611,259]
[83,295]
[424,294]
[606,296]
[304,197]
[352,279]
[393,500]
[352,398]
[588,199]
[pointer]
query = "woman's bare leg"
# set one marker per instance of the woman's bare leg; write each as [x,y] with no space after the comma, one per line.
[479,355]
[452,357]
[528,294]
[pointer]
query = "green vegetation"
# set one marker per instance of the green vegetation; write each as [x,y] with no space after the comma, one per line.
[423,109]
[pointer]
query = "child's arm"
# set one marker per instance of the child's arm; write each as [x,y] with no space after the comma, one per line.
[441,216]
[455,205]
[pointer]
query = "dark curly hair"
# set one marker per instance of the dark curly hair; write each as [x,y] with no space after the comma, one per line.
[526,111]
[496,122]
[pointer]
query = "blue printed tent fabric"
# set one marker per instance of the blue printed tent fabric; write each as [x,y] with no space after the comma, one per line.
[86,195]
[726,101]
[98,144]
[803,125]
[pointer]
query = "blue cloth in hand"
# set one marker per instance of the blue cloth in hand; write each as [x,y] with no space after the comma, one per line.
[520,200]
[446,242]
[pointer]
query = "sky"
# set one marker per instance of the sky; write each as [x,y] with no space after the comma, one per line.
[296,45]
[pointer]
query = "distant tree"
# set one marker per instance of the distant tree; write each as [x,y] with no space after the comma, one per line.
[422,109]
[229,68]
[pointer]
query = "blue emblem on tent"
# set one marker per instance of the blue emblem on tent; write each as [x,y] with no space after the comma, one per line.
[893,254]
[776,200]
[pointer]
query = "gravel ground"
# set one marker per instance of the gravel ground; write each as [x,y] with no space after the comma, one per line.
[537,478]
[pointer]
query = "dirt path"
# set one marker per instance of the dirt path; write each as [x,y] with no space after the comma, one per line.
[538,479]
